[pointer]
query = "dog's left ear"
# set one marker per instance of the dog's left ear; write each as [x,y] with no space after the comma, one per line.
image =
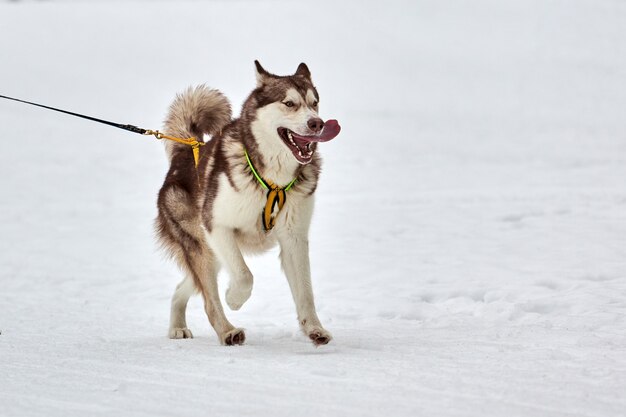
[303,70]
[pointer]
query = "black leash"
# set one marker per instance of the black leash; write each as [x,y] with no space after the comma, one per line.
[130,128]
[193,142]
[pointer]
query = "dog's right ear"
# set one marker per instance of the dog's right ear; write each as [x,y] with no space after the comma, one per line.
[261,74]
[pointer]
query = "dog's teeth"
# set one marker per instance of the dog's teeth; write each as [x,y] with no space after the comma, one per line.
[290,138]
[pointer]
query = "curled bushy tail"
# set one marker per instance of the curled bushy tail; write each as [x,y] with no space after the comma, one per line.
[196,112]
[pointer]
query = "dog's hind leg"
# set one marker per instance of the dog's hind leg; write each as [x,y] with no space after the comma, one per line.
[227,333]
[203,268]
[178,322]
[180,232]
[199,262]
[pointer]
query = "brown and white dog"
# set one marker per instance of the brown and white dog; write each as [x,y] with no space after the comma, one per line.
[242,197]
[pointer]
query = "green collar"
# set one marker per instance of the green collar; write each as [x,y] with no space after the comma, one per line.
[268,185]
[276,197]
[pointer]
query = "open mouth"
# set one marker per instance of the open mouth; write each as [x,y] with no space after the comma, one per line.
[303,147]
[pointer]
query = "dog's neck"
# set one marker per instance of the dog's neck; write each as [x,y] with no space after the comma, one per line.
[272,159]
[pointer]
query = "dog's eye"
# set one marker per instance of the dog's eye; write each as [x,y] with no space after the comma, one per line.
[289,103]
[315,103]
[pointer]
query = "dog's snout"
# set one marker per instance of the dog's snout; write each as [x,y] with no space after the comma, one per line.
[316,124]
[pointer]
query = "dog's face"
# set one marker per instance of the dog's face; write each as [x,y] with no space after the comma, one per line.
[287,120]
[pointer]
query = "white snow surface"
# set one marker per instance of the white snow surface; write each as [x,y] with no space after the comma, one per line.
[469,241]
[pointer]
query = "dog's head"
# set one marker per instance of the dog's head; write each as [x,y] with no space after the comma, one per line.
[286,119]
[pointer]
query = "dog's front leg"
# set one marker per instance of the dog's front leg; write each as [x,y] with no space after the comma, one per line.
[223,242]
[294,255]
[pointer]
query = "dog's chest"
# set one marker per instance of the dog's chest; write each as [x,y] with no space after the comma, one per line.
[242,209]
[237,208]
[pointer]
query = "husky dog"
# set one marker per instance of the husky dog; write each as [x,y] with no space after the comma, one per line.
[252,189]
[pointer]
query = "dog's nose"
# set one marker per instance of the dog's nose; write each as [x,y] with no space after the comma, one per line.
[316,124]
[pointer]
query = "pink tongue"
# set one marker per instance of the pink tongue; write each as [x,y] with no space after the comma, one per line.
[330,130]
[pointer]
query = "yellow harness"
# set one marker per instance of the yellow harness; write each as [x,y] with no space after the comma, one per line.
[276,196]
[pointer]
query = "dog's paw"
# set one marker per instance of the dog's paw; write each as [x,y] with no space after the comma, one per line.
[236,296]
[320,336]
[233,337]
[180,333]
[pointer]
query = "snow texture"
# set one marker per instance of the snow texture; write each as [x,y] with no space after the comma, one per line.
[468,245]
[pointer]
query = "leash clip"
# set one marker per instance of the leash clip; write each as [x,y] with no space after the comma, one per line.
[154,133]
[193,142]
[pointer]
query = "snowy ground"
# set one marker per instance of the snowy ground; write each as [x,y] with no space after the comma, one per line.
[469,243]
